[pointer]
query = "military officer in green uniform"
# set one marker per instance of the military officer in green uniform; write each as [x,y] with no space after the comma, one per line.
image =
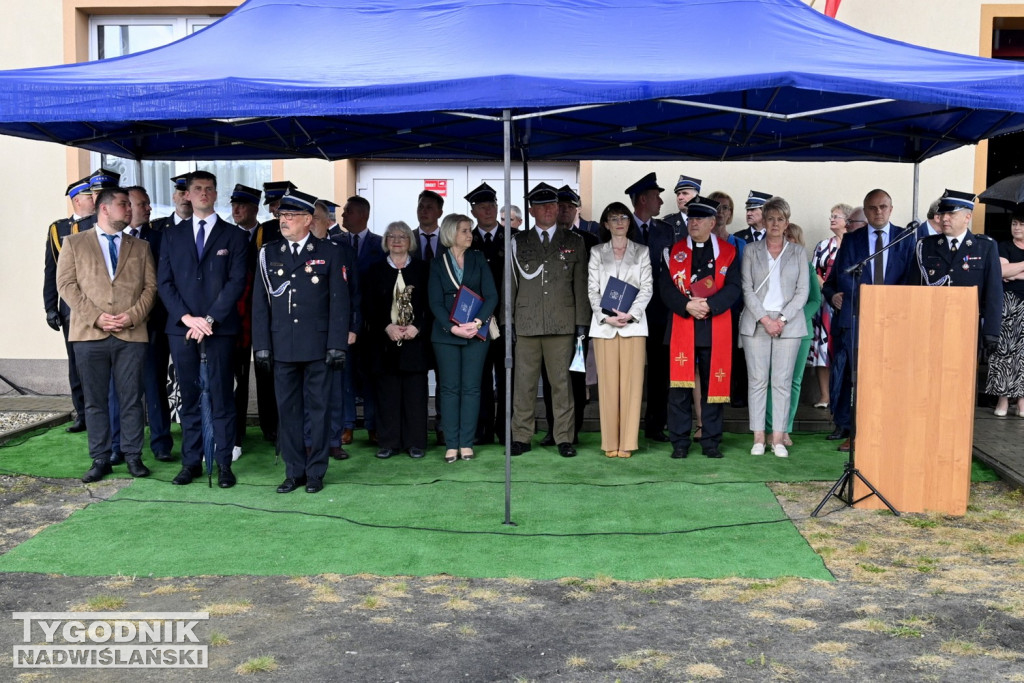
[549,306]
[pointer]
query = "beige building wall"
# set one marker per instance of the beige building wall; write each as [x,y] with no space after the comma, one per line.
[40,171]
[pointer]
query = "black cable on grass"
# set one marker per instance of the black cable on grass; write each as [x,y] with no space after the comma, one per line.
[402,527]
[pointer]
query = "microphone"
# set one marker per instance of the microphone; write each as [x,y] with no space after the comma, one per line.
[913,225]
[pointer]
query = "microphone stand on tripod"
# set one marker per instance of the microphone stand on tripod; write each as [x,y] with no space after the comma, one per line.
[843,488]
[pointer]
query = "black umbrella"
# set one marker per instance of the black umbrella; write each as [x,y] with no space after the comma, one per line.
[206,411]
[1008,193]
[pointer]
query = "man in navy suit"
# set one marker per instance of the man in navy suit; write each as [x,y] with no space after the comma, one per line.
[489,238]
[200,280]
[645,195]
[154,373]
[890,267]
[300,320]
[932,226]
[686,189]
[355,217]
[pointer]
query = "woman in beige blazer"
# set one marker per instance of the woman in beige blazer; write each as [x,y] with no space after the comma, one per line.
[619,336]
[772,323]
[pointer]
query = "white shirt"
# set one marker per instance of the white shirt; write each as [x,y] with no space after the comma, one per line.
[493,232]
[550,231]
[435,241]
[104,242]
[210,221]
[301,243]
[872,237]
[773,300]
[959,239]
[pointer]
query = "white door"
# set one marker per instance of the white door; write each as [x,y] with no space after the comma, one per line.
[392,187]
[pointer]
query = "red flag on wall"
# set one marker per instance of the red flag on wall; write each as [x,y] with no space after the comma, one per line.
[831,7]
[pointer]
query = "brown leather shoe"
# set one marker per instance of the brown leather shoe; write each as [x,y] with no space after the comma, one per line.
[844,447]
[346,437]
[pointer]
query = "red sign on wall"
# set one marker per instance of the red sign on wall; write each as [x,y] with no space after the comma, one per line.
[439,186]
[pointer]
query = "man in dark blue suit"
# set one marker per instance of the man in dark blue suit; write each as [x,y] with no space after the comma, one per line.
[686,189]
[355,218]
[341,407]
[154,373]
[200,280]
[932,226]
[890,267]
[489,238]
[300,320]
[645,195]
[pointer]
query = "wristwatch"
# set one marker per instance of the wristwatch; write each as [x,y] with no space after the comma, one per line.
[210,319]
[783,318]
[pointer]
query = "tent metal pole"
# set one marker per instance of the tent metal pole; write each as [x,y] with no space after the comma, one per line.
[917,187]
[507,287]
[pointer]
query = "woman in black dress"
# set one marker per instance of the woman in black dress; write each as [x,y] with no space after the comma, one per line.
[394,311]
[1006,364]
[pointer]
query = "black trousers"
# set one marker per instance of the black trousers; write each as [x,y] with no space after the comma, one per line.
[493,404]
[680,410]
[242,362]
[656,381]
[220,382]
[303,389]
[122,362]
[77,397]
[402,410]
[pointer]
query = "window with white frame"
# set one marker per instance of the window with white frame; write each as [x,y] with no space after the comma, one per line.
[116,36]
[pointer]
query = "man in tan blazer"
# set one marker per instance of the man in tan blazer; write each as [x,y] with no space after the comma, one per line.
[108,279]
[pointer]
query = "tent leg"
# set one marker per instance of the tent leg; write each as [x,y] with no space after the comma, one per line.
[507,287]
[917,188]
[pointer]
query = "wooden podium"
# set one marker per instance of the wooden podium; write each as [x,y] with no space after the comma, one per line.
[917,368]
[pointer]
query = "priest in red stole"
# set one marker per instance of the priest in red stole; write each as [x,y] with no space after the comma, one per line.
[701,280]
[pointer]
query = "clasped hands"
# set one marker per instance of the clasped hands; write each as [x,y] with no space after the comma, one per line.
[198,328]
[400,332]
[113,323]
[698,307]
[466,330]
[621,319]
[773,326]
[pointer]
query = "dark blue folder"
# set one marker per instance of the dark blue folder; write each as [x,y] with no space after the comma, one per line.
[467,305]
[618,295]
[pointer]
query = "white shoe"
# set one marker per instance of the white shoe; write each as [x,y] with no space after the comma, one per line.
[757,449]
[999,412]
[780,451]
[236,453]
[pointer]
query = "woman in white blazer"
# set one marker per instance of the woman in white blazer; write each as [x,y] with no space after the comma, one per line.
[619,336]
[772,323]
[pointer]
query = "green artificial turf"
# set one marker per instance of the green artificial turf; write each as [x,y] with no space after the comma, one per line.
[639,518]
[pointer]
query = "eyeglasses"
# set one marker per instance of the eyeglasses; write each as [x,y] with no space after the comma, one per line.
[839,217]
[289,215]
[864,222]
[618,219]
[399,238]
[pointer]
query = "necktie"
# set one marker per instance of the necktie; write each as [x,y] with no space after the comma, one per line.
[643,232]
[200,238]
[487,238]
[952,245]
[355,244]
[544,238]
[134,232]
[878,276]
[428,253]
[295,249]
[112,248]
[758,236]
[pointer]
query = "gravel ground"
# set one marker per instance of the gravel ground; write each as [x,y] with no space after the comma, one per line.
[916,598]
[11,421]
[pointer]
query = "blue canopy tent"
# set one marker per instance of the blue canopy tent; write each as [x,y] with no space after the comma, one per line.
[411,79]
[432,79]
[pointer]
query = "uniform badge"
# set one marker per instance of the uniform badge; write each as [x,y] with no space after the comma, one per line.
[308,269]
[968,243]
[315,279]
[965,266]
[280,272]
[309,247]
[284,248]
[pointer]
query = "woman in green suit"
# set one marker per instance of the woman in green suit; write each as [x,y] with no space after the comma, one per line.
[459,351]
